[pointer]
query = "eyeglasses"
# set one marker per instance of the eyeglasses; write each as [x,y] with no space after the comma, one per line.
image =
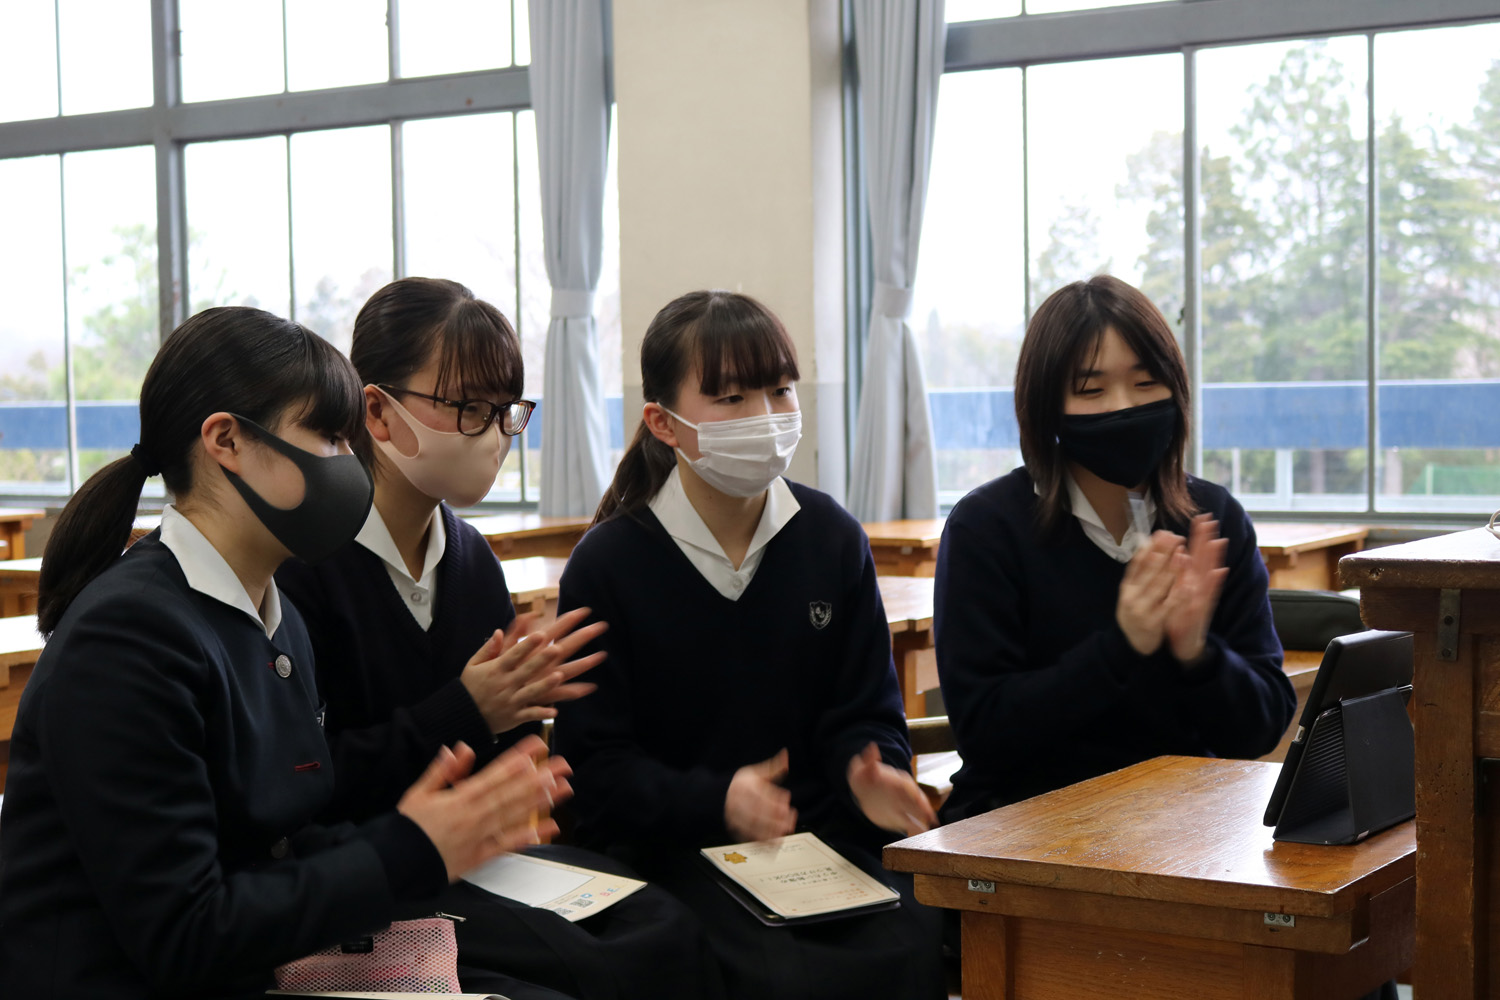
[474,416]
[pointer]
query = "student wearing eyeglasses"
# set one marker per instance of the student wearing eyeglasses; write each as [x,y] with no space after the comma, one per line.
[418,645]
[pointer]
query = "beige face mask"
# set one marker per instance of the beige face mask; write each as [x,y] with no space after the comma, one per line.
[447,465]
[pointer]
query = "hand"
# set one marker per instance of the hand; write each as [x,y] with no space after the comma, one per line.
[757,807]
[1141,609]
[517,675]
[1195,592]
[472,818]
[890,798]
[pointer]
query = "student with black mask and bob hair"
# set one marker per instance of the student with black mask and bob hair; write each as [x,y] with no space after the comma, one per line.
[1099,606]
[749,690]
[418,646]
[168,754]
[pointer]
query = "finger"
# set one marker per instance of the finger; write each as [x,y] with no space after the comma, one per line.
[437,776]
[573,643]
[492,648]
[583,664]
[567,623]
[777,767]
[571,692]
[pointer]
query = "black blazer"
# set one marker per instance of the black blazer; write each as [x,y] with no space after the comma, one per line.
[164,767]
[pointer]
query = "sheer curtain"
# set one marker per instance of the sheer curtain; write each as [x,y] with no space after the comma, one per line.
[899,50]
[570,95]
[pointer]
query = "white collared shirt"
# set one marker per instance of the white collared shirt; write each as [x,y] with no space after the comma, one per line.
[1088,519]
[417,595]
[676,513]
[209,574]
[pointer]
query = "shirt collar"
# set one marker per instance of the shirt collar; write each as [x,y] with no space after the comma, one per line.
[376,537]
[209,574]
[1093,526]
[681,519]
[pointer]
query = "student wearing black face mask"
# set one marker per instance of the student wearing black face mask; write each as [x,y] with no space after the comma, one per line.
[1099,606]
[168,756]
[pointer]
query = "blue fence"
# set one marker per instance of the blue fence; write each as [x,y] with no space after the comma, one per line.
[1298,415]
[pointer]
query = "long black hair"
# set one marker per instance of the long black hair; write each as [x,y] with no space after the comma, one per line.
[1064,334]
[731,339]
[401,325]
[232,358]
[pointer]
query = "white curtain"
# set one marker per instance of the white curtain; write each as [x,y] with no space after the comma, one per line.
[899,49]
[570,95]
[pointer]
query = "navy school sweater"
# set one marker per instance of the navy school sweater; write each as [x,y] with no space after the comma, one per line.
[1043,689]
[156,837]
[696,686]
[392,690]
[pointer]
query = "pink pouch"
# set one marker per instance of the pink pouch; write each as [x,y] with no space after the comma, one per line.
[409,956]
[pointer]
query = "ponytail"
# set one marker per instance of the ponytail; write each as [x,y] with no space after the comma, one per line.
[91,532]
[644,468]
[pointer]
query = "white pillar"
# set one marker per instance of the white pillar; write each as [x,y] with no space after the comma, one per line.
[731,176]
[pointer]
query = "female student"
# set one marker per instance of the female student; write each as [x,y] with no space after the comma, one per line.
[748,690]
[168,754]
[418,646]
[1099,606]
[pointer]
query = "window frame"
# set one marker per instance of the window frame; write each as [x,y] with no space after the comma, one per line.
[1187,27]
[169,125]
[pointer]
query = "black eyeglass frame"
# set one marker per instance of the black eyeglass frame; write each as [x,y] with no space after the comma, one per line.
[459,405]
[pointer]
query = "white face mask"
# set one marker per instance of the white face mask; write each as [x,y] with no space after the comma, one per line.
[447,465]
[741,457]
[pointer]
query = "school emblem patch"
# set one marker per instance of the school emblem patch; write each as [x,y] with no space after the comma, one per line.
[820,613]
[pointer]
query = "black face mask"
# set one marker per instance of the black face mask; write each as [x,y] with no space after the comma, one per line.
[337,493]
[1123,447]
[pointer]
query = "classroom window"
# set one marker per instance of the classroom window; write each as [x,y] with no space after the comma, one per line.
[1334,376]
[303,209]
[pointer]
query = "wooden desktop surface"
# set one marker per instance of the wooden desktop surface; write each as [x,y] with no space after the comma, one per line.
[533,583]
[14,523]
[905,548]
[1164,863]
[519,534]
[18,586]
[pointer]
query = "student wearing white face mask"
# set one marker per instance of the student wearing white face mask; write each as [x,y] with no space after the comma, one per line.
[418,645]
[748,690]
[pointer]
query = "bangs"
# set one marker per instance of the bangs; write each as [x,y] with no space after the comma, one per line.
[741,343]
[333,398]
[480,353]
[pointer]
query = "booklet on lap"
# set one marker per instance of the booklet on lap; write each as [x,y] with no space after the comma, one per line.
[797,878]
[567,890]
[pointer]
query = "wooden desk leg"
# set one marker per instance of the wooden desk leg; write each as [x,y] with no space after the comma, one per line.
[1449,954]
[987,968]
[904,649]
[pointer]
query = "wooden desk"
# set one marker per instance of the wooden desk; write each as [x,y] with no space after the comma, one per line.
[908,611]
[515,536]
[18,586]
[14,523]
[905,548]
[1446,590]
[1306,556]
[533,583]
[1159,881]
[19,648]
